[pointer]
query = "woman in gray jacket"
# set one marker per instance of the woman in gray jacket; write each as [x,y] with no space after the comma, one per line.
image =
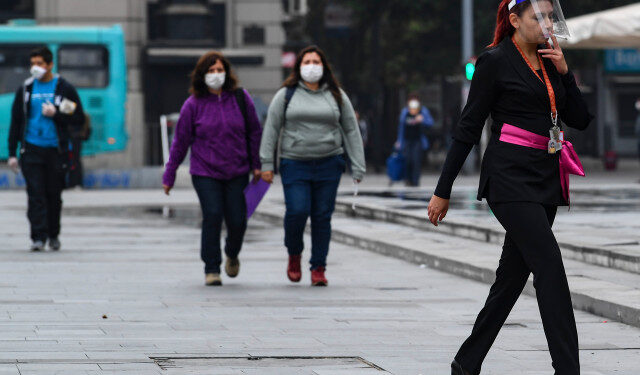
[318,125]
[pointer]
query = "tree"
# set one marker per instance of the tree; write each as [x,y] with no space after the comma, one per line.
[419,41]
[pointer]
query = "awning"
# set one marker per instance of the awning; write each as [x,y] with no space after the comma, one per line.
[613,28]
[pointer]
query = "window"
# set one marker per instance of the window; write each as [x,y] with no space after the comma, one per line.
[294,7]
[84,65]
[14,66]
[190,21]
[627,112]
[253,35]
[12,9]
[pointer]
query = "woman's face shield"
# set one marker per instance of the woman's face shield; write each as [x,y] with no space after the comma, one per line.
[550,18]
[541,19]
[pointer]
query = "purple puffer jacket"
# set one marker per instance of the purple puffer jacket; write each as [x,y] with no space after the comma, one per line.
[214,128]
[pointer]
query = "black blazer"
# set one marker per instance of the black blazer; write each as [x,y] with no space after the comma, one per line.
[504,86]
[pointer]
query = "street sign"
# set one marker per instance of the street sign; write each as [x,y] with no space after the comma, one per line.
[288,59]
[337,16]
[622,60]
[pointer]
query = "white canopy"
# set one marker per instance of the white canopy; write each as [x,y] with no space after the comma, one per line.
[613,28]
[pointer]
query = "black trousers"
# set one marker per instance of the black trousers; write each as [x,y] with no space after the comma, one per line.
[529,246]
[44,173]
[413,154]
[221,199]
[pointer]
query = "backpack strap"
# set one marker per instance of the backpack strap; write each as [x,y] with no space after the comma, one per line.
[242,104]
[287,99]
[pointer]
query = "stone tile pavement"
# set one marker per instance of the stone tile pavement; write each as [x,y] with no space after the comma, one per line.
[127,288]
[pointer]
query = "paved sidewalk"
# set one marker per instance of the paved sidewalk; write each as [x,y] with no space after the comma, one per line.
[143,273]
[602,235]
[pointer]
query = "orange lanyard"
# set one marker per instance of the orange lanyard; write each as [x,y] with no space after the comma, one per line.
[546,81]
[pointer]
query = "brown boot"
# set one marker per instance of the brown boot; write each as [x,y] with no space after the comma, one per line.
[232,267]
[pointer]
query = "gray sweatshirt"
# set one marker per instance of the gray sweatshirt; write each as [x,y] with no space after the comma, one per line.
[313,129]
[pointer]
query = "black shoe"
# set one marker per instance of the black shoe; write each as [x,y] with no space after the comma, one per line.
[37,245]
[456,369]
[54,244]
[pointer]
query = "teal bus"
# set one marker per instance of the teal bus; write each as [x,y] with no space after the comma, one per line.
[91,58]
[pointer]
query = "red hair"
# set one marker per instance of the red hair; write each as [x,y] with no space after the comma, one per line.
[503,25]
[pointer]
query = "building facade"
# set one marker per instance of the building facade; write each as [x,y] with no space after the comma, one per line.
[164,39]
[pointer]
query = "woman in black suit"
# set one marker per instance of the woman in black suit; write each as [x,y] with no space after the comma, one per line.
[522,83]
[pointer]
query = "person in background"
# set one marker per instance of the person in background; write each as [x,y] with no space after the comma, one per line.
[363,124]
[318,125]
[218,122]
[45,110]
[364,128]
[414,122]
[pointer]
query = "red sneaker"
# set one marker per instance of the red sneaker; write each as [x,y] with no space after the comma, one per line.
[293,270]
[317,277]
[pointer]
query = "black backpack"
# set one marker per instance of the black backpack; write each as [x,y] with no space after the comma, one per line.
[240,99]
[287,99]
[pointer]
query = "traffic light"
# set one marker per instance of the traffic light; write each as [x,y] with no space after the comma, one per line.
[469,69]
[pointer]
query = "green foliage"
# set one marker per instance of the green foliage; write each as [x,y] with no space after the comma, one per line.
[420,39]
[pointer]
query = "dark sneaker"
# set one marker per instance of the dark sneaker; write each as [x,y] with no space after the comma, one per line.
[317,277]
[212,279]
[54,244]
[232,267]
[294,272]
[37,246]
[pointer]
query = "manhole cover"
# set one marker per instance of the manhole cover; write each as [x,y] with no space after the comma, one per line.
[268,365]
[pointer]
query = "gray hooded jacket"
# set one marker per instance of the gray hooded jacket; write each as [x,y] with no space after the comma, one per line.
[314,128]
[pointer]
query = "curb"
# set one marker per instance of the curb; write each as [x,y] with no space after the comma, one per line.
[581,299]
[588,254]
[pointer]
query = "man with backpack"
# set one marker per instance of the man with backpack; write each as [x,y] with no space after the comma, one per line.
[76,171]
[45,109]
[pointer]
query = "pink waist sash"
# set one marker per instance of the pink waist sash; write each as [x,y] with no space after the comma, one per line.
[569,161]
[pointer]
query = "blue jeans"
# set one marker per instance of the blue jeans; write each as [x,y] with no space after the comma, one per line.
[310,188]
[221,199]
[413,158]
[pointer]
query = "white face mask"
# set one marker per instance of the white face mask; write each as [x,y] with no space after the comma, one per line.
[37,72]
[215,80]
[414,104]
[311,73]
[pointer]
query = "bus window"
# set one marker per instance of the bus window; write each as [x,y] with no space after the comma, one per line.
[14,66]
[84,66]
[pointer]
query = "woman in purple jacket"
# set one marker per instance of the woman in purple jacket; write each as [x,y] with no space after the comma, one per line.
[212,123]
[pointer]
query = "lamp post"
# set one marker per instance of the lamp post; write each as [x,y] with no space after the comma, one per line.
[467,55]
